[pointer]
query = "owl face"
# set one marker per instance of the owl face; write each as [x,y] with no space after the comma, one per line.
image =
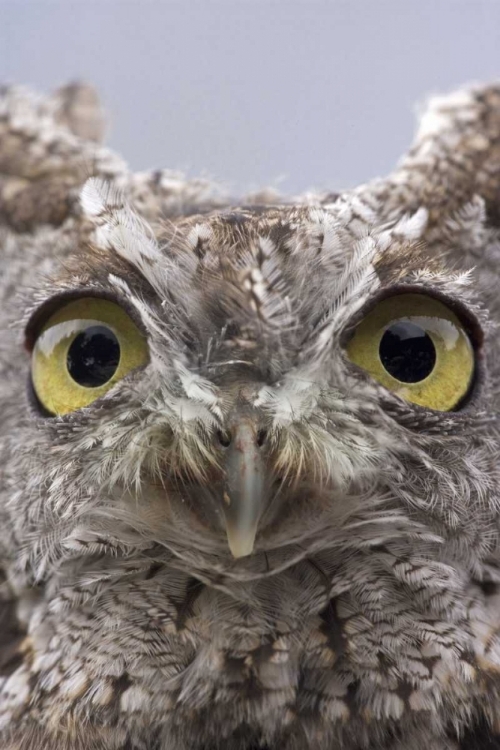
[250,386]
[249,487]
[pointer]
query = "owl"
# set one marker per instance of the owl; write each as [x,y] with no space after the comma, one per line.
[249,448]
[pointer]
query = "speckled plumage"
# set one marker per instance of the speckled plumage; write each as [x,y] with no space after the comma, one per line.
[368,615]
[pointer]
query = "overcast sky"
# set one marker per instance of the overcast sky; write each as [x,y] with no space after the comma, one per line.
[292,94]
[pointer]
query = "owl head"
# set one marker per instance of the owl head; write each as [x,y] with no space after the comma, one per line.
[292,404]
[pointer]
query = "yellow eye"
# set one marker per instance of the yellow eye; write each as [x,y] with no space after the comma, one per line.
[82,351]
[416,347]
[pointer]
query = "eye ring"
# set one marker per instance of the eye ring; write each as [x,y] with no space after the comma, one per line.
[427,359]
[82,351]
[467,319]
[49,307]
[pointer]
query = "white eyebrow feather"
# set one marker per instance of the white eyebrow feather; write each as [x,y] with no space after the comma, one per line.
[119,228]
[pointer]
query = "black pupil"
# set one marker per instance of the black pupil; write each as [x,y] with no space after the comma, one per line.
[407,352]
[93,356]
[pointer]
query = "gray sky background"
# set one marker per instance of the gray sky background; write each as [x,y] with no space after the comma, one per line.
[293,94]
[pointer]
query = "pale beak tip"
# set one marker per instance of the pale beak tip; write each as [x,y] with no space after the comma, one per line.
[241,545]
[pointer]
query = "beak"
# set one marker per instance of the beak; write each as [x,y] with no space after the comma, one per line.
[245,487]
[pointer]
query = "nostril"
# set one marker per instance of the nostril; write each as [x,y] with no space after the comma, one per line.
[261,438]
[224,437]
